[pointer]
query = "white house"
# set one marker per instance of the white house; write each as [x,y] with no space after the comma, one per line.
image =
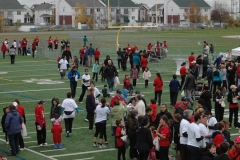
[43,13]
[28,15]
[12,11]
[174,10]
[157,9]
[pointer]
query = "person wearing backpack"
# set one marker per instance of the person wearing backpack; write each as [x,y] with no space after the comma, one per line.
[217,79]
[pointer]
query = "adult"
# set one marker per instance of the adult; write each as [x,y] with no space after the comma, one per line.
[132,129]
[140,106]
[40,123]
[34,47]
[212,121]
[133,101]
[24,47]
[157,49]
[69,106]
[130,55]
[3,49]
[158,84]
[119,58]
[136,60]
[81,52]
[210,152]
[205,63]
[63,45]
[62,66]
[102,111]
[128,49]
[218,98]
[19,46]
[191,58]
[206,95]
[218,61]
[174,89]
[12,53]
[110,72]
[85,84]
[194,137]
[56,41]
[184,106]
[124,60]
[90,53]
[118,97]
[20,109]
[36,40]
[68,55]
[73,76]
[50,43]
[189,85]
[226,133]
[224,76]
[13,124]
[163,131]
[163,112]
[232,73]
[194,70]
[234,153]
[209,76]
[217,136]
[144,62]
[204,131]
[183,133]
[117,113]
[56,109]
[233,98]
[106,60]
[97,54]
[90,107]
[14,44]
[176,137]
[182,74]
[211,50]
[199,64]
[217,79]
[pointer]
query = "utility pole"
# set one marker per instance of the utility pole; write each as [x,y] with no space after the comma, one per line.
[93,19]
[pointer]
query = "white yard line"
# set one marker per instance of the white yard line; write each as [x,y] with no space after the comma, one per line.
[86,158]
[31,142]
[80,153]
[39,147]
[26,137]
[53,150]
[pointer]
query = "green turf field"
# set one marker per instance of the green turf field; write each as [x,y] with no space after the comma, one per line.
[28,80]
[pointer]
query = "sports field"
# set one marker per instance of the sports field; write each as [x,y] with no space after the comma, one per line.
[31,80]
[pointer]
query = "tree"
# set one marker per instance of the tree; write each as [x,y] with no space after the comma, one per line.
[52,18]
[2,23]
[193,13]
[81,15]
[220,13]
[206,20]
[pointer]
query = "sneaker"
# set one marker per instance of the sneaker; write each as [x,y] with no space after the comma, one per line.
[106,142]
[86,120]
[40,145]
[81,102]
[7,142]
[67,135]
[21,149]
[95,145]
[45,143]
[236,127]
[102,146]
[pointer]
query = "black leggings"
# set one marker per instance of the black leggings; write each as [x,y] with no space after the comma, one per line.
[21,142]
[121,151]
[182,81]
[100,128]
[158,95]
[41,135]
[73,86]
[68,124]
[233,111]
[84,88]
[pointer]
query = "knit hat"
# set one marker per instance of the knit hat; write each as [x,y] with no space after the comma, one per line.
[134,112]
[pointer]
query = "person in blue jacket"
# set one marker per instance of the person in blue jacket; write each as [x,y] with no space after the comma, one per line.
[124,94]
[217,78]
[218,61]
[136,61]
[174,89]
[73,76]
[13,124]
[85,40]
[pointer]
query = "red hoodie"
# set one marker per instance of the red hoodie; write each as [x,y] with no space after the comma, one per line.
[154,114]
[4,48]
[158,83]
[97,53]
[126,83]
[39,115]
[144,62]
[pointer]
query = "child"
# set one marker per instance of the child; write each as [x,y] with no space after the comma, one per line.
[56,131]
[120,142]
[104,92]
[134,75]
[75,61]
[126,82]
[95,71]
[5,111]
[28,51]
[146,76]
[101,72]
[153,105]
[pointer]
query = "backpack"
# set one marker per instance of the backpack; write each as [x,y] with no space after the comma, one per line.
[216,74]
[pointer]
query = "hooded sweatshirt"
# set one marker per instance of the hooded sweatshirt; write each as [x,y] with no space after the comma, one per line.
[13,122]
[124,94]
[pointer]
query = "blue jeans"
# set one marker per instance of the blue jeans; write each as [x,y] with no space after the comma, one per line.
[188,95]
[3,54]
[110,81]
[14,142]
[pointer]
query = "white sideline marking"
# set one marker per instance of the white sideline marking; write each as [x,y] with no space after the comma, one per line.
[2,135]
[86,158]
[235,134]
[30,142]
[35,152]
[53,150]
[26,137]
[39,147]
[79,153]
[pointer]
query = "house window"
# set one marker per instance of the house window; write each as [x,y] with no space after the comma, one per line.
[98,9]
[18,12]
[112,10]
[172,10]
[118,11]
[91,11]
[125,11]
[9,12]
[133,17]
[63,10]
[98,18]
[18,21]
[206,10]
[133,9]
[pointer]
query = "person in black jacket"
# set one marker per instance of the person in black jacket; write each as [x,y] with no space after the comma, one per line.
[177,119]
[106,60]
[205,63]
[218,97]
[124,60]
[224,149]
[68,55]
[5,111]
[56,109]
[207,96]
[231,70]
[226,134]
[119,58]
[149,112]
[90,107]
[144,140]
[210,152]
[110,72]
[184,106]
[164,111]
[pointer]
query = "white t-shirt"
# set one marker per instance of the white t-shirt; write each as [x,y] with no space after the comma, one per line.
[101,113]
[140,107]
[15,44]
[63,64]
[69,105]
[193,133]
[204,131]
[86,77]
[211,122]
[183,128]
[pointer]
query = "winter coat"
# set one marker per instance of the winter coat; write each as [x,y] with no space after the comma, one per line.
[56,131]
[217,78]
[144,139]
[12,51]
[71,74]
[4,48]
[205,62]
[13,122]
[110,71]
[174,85]
[55,112]
[207,96]
[95,68]
[144,62]
[134,73]
[146,75]
[189,82]
[124,94]
[117,113]
[159,115]
[158,84]
[132,124]
[90,103]
[90,51]
[126,83]
[232,153]
[136,60]
[209,73]
[119,55]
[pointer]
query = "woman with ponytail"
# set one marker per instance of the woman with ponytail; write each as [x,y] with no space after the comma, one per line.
[158,84]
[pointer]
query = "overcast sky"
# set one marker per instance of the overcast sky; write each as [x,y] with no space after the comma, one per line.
[150,2]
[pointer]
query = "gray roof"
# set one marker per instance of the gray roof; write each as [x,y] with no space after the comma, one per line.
[34,6]
[43,6]
[187,3]
[122,3]
[153,8]
[88,3]
[45,15]
[10,4]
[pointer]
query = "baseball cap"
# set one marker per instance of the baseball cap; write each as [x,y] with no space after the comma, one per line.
[15,104]
[233,87]
[137,92]
[185,99]
[134,112]
[119,91]
[237,139]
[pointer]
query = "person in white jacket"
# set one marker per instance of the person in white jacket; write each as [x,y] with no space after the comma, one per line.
[146,76]
[140,106]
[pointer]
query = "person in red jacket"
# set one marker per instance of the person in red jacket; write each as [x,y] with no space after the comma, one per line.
[118,97]
[56,41]
[183,74]
[144,62]
[126,82]
[135,48]
[50,43]
[153,105]
[149,48]
[158,83]
[128,49]
[97,55]
[191,58]
[82,51]
[158,49]
[234,153]
[36,40]
[34,46]
[3,49]
[163,132]
[24,47]
[217,136]
[120,142]
[56,131]
[40,123]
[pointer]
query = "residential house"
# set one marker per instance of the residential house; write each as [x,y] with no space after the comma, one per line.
[44,13]
[29,14]
[175,10]
[12,11]
[144,15]
[157,12]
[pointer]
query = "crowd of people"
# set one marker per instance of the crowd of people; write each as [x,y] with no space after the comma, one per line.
[195,133]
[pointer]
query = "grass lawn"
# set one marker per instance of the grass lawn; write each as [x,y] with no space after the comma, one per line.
[26,80]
